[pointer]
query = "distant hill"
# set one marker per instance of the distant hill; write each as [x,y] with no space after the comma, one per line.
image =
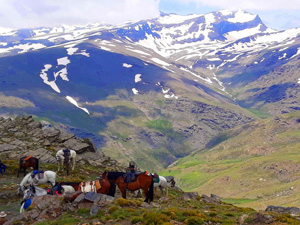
[254,165]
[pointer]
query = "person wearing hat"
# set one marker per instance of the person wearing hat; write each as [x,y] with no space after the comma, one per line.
[129,176]
[2,217]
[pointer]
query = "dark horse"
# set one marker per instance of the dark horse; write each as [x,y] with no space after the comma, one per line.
[143,181]
[26,162]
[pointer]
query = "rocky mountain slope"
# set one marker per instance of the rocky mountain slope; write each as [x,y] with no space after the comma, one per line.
[151,91]
[254,165]
[23,136]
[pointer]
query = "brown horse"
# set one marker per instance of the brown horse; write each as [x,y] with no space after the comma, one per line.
[102,186]
[143,181]
[26,162]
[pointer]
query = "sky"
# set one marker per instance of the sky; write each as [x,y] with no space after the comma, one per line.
[276,14]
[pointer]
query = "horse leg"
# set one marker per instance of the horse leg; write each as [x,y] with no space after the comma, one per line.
[19,171]
[24,171]
[146,195]
[73,162]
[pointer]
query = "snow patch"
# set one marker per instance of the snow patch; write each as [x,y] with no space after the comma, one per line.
[63,61]
[160,62]
[71,51]
[241,17]
[137,78]
[126,65]
[73,101]
[135,91]
[44,76]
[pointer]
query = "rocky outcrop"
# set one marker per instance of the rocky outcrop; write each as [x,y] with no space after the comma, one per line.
[284,210]
[24,136]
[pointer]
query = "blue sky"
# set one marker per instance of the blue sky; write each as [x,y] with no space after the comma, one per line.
[277,14]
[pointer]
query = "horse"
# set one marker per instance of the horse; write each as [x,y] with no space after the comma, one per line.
[26,162]
[49,177]
[143,182]
[162,185]
[29,192]
[33,191]
[102,186]
[66,157]
[171,181]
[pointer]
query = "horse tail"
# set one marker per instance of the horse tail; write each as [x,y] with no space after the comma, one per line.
[112,189]
[150,191]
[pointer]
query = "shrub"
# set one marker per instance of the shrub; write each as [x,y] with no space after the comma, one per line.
[136,219]
[113,208]
[155,218]
[193,220]
[126,202]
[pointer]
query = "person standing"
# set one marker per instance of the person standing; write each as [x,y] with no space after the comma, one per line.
[2,217]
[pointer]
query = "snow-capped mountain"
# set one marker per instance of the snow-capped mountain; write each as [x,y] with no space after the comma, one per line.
[168,83]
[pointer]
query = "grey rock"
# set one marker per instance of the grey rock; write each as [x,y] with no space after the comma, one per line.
[7,147]
[190,195]
[51,132]
[43,155]
[94,210]
[80,198]
[76,144]
[146,205]
[284,210]
[64,136]
[92,196]
[107,198]
[214,200]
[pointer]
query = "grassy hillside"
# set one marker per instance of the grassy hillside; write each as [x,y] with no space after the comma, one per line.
[255,165]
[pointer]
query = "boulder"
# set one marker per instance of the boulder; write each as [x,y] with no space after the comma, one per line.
[51,133]
[43,155]
[64,136]
[212,199]
[7,147]
[284,210]
[76,144]
[190,195]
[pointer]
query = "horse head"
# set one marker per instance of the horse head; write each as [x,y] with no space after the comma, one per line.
[20,189]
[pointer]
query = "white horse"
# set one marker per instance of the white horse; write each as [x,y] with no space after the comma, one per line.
[49,177]
[61,159]
[162,185]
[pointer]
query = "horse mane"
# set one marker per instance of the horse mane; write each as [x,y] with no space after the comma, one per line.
[114,175]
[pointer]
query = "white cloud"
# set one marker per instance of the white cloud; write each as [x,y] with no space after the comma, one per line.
[249,4]
[37,13]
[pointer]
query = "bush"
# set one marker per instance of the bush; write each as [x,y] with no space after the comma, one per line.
[127,202]
[193,220]
[155,218]
[136,219]
[113,209]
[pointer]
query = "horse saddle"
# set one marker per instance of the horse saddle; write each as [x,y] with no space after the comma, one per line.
[130,177]
[37,174]
[90,186]
[28,157]
[155,178]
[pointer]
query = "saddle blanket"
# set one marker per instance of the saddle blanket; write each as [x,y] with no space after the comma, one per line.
[90,186]
[37,175]
[28,157]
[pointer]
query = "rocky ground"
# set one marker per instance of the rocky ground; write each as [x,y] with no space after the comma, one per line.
[24,135]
